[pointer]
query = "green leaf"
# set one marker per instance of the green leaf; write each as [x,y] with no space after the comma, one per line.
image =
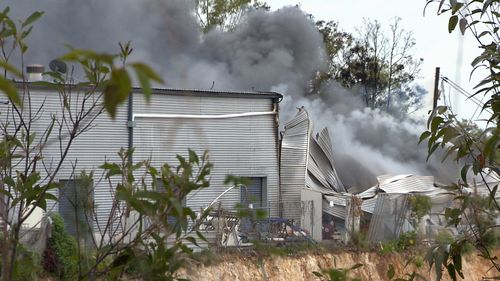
[483,34]
[145,85]
[122,194]
[318,274]
[451,271]
[50,196]
[436,121]
[117,90]
[192,240]
[201,236]
[452,23]
[449,133]
[490,147]
[486,5]
[457,262]
[193,157]
[42,204]
[423,136]
[493,194]
[456,6]
[464,171]
[358,265]
[144,75]
[26,32]
[32,18]
[10,91]
[111,168]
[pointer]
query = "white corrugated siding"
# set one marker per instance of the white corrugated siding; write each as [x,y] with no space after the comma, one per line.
[88,151]
[294,151]
[240,146]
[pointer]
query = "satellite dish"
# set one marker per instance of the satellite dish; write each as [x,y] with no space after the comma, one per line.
[58,66]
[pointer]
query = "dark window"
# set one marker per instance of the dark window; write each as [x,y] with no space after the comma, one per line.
[254,192]
[76,201]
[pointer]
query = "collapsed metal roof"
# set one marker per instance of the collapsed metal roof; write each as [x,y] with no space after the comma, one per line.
[299,146]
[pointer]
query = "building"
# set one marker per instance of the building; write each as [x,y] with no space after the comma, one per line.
[239,129]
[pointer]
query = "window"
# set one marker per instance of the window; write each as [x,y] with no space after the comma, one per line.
[76,203]
[255,192]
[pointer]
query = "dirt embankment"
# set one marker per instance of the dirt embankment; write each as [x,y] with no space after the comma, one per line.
[279,268]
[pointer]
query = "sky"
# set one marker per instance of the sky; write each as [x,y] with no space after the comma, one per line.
[451,52]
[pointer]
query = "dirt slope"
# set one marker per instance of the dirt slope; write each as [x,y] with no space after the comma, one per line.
[279,268]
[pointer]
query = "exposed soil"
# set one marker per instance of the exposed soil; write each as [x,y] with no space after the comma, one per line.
[248,266]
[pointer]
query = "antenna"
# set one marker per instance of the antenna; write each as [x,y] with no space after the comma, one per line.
[58,66]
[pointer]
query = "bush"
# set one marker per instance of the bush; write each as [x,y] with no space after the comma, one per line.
[406,241]
[27,266]
[60,256]
[387,247]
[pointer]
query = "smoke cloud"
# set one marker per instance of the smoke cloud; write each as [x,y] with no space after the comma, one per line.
[268,51]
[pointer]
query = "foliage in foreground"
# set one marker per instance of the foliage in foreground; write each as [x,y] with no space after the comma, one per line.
[478,151]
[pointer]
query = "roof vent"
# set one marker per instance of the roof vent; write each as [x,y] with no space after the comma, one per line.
[35,72]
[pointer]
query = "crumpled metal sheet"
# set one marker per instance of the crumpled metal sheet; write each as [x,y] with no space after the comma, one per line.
[306,162]
[403,184]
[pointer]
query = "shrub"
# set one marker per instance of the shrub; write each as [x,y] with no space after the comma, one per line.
[60,256]
[387,247]
[27,266]
[406,241]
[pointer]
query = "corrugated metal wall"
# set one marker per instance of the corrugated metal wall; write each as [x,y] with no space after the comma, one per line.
[294,153]
[240,146]
[245,146]
[88,151]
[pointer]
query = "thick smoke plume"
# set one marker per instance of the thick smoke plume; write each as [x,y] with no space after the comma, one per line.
[268,51]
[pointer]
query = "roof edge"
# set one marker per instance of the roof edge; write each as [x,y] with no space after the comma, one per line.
[183,92]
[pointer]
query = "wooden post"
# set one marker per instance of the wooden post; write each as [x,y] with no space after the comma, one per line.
[436,89]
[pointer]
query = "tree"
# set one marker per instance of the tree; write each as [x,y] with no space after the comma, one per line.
[381,65]
[224,14]
[337,42]
[478,152]
[28,179]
